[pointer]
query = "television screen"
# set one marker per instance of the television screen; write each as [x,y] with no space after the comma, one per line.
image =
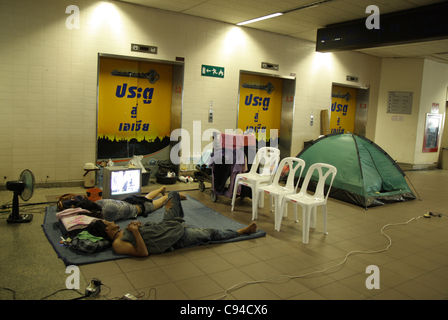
[124,182]
[120,182]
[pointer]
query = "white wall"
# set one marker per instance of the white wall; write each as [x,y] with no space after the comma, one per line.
[434,86]
[48,82]
[398,138]
[428,80]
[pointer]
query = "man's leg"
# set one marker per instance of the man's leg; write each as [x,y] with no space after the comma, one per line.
[156,192]
[159,202]
[173,207]
[196,236]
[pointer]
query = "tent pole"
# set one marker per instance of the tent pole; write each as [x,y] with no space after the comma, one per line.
[413,187]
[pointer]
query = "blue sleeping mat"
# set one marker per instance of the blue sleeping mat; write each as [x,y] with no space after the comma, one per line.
[197,215]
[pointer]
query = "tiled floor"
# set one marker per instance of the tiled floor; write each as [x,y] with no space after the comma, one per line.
[414,267]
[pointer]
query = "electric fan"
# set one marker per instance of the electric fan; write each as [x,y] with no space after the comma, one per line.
[24,187]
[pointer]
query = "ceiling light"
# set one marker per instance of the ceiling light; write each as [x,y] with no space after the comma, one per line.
[306,6]
[259,19]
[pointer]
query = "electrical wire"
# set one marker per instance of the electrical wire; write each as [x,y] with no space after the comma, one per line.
[142,294]
[329,269]
[13,292]
[83,296]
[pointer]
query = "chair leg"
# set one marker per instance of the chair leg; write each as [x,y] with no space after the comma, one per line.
[254,203]
[260,199]
[306,224]
[285,210]
[278,213]
[324,213]
[313,217]
[235,188]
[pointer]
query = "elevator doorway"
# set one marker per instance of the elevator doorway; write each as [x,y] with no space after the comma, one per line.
[349,107]
[266,109]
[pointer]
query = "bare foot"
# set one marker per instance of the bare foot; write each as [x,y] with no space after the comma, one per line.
[153,194]
[182,196]
[249,229]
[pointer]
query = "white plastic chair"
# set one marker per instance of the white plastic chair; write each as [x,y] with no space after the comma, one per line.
[277,191]
[310,202]
[267,156]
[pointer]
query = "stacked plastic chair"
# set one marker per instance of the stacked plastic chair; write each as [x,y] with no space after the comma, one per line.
[269,157]
[277,192]
[309,202]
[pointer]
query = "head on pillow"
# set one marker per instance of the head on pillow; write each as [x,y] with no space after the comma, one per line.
[97,228]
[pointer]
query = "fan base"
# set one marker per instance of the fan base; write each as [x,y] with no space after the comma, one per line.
[21,218]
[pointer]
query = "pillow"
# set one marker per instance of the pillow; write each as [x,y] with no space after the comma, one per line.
[66,233]
[74,218]
[87,246]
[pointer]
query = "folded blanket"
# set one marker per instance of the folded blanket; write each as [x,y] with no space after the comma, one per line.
[74,218]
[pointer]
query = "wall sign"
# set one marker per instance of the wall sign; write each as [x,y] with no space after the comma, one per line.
[260,105]
[134,108]
[343,109]
[212,71]
[399,102]
[143,48]
[269,66]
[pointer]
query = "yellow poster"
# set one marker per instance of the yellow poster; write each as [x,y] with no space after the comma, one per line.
[260,104]
[134,107]
[343,109]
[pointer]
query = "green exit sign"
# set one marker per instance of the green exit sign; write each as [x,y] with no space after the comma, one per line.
[212,71]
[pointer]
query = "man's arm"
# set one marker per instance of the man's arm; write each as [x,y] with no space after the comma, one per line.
[123,247]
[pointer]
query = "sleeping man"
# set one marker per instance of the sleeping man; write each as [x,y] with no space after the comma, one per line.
[128,208]
[141,240]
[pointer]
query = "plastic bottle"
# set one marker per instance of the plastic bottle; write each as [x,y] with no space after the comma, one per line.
[100,178]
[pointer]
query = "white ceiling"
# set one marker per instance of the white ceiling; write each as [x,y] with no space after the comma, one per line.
[303,24]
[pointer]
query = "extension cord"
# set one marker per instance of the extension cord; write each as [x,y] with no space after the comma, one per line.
[324,270]
[129,296]
[94,288]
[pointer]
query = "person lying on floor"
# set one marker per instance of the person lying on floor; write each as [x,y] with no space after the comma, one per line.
[141,240]
[128,208]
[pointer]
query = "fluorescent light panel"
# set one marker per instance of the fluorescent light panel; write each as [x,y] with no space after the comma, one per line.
[306,6]
[259,19]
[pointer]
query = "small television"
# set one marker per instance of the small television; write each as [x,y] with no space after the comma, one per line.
[120,182]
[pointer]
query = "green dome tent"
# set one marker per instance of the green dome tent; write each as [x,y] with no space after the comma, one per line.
[367,176]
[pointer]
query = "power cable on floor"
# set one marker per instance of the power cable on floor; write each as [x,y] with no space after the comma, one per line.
[330,269]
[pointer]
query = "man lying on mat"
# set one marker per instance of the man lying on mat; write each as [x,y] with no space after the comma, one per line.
[128,208]
[141,240]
